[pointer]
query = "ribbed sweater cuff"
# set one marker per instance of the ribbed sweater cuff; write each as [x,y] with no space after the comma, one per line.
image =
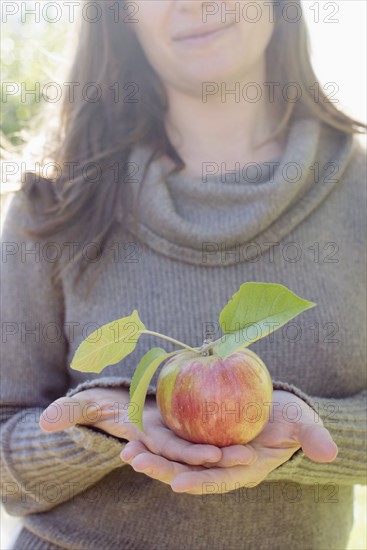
[106,382]
[71,459]
[345,418]
[28,540]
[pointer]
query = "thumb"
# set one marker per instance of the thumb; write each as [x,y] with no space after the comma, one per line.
[66,412]
[317,443]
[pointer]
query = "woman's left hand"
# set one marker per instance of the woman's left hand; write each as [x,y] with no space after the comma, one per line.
[292,425]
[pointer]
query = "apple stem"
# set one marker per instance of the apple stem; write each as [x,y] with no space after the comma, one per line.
[205,349]
[195,350]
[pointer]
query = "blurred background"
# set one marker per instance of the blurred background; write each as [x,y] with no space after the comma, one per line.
[39,51]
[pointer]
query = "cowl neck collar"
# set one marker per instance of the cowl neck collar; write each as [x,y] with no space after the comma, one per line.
[182,216]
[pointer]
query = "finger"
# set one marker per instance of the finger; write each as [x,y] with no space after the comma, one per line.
[235,455]
[158,467]
[192,453]
[317,443]
[164,442]
[214,480]
[66,412]
[132,449]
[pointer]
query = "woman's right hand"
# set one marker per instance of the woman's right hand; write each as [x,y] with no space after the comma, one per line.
[107,410]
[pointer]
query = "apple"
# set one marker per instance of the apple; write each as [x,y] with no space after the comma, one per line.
[207,399]
[219,393]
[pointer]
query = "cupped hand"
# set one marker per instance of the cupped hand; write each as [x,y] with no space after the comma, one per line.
[107,410]
[292,425]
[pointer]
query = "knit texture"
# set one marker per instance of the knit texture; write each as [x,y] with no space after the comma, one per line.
[301,225]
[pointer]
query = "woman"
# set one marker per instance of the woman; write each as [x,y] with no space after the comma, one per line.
[193,191]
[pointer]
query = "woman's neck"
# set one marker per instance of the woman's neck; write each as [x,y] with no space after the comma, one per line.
[225,129]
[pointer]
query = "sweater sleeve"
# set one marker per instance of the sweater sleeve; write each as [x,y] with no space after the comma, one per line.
[39,470]
[345,418]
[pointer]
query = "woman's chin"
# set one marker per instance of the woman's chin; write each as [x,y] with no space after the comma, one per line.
[208,78]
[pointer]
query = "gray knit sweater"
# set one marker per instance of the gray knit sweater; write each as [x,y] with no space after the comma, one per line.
[300,223]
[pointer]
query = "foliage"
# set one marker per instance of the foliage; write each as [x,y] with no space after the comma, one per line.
[32,57]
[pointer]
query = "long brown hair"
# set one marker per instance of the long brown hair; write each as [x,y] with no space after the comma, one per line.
[107,130]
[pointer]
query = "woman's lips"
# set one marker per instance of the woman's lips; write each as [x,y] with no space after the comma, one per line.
[202,38]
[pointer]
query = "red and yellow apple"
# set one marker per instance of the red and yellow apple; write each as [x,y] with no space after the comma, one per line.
[207,399]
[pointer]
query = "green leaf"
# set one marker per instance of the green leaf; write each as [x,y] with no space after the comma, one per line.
[108,344]
[139,384]
[254,311]
[144,363]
